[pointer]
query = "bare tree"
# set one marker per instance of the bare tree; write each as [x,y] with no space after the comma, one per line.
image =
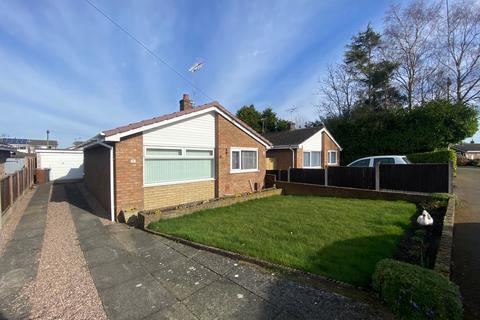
[337,91]
[461,31]
[409,41]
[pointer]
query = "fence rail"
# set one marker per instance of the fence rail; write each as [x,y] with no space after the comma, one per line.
[14,185]
[425,177]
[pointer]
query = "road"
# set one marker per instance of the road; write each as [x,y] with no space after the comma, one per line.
[466,239]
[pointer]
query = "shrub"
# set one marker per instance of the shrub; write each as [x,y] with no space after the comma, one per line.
[439,156]
[413,292]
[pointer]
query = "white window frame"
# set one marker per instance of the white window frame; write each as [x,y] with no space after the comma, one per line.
[240,170]
[336,156]
[182,156]
[310,157]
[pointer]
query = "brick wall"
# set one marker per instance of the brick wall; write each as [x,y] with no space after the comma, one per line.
[97,174]
[328,144]
[175,194]
[227,135]
[129,173]
[283,158]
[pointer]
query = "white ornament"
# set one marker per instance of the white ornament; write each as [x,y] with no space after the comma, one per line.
[425,219]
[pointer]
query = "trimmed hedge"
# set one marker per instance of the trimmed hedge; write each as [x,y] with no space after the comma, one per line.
[440,156]
[413,292]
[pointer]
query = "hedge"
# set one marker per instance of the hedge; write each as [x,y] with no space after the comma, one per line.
[413,292]
[440,156]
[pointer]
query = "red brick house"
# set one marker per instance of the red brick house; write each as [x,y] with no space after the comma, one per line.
[191,155]
[303,148]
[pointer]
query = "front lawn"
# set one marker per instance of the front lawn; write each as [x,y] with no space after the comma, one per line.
[339,238]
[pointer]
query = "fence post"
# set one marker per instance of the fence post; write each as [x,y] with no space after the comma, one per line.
[10,188]
[377,176]
[326,176]
[450,176]
[288,174]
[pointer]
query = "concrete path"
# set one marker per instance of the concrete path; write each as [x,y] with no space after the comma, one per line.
[466,239]
[143,276]
[19,262]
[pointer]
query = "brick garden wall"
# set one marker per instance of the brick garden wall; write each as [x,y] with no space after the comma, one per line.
[97,174]
[175,194]
[227,135]
[129,173]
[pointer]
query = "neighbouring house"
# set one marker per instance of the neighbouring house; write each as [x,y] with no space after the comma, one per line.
[196,154]
[470,151]
[302,148]
[30,145]
[5,152]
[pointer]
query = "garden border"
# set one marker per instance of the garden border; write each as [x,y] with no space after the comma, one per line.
[148,216]
[443,261]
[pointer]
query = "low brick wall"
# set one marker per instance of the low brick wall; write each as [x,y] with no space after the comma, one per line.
[304,189]
[443,261]
[147,217]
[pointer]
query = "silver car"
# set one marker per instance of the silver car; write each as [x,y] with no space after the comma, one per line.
[372,161]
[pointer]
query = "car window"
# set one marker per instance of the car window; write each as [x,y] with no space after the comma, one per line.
[361,163]
[406,160]
[383,160]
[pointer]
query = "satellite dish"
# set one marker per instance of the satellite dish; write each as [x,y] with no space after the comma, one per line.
[195,67]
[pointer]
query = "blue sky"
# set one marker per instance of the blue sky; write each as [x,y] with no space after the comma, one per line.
[65,68]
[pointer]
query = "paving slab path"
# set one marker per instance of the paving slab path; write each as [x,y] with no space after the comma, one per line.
[138,275]
[19,261]
[466,239]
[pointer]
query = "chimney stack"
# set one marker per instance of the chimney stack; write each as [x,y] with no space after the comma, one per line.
[291,126]
[185,103]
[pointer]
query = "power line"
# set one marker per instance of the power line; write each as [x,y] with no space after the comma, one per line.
[131,36]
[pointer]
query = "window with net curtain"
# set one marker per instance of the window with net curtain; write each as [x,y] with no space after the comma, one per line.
[165,165]
[311,159]
[244,160]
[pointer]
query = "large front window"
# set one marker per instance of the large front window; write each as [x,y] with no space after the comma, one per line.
[243,160]
[311,159]
[172,165]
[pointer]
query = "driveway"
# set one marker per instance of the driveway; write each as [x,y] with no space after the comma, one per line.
[131,274]
[466,239]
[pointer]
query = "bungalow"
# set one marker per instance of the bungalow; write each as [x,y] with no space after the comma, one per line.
[303,148]
[192,155]
[470,151]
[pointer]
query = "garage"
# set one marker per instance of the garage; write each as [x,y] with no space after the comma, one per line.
[63,164]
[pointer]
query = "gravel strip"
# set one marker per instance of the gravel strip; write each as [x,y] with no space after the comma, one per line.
[64,288]
[13,218]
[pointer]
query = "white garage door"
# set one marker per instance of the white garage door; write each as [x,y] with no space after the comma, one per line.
[63,164]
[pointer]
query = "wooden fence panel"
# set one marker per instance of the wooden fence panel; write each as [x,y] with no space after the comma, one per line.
[312,176]
[352,177]
[422,177]
[5,193]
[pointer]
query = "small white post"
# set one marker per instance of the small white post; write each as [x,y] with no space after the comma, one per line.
[377,176]
[450,176]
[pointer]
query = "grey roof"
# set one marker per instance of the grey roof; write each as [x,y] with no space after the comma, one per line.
[291,137]
[467,147]
[32,142]
[6,147]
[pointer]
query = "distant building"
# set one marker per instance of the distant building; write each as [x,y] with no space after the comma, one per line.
[29,145]
[5,151]
[470,151]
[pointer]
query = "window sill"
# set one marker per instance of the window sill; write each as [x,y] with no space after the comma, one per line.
[243,171]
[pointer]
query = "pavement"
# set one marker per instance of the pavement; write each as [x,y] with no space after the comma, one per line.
[139,275]
[466,239]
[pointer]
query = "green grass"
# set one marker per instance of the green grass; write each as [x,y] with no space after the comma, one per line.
[342,239]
